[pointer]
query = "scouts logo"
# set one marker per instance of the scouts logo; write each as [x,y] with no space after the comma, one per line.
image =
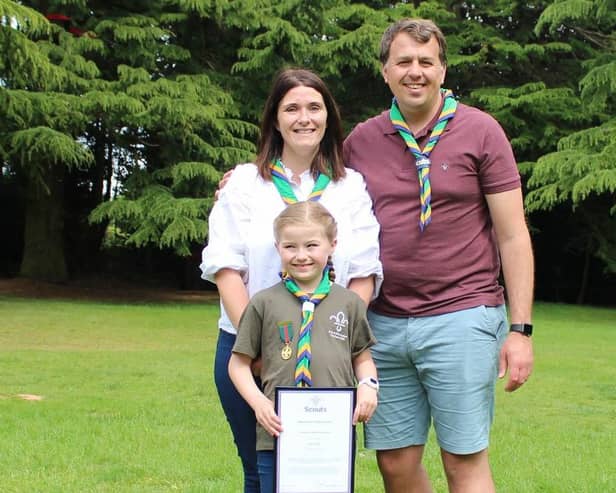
[340,325]
[339,321]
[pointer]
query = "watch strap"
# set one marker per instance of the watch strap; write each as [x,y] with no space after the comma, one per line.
[370,382]
[526,329]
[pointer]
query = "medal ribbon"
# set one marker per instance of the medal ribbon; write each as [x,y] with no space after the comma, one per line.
[422,158]
[303,376]
[285,189]
[286,332]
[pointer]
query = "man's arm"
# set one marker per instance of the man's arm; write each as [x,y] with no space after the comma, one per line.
[513,238]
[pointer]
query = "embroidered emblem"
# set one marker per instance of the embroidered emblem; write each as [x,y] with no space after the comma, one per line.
[339,321]
[444,166]
[340,326]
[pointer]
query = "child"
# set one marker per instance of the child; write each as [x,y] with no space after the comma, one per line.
[306,309]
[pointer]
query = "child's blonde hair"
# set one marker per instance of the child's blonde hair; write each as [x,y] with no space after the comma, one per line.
[306,212]
[309,212]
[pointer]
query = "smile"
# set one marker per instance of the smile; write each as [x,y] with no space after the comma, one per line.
[302,266]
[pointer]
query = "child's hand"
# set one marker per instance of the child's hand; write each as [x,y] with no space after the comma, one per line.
[266,416]
[366,404]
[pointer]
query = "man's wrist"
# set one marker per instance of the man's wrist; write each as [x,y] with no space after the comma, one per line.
[525,329]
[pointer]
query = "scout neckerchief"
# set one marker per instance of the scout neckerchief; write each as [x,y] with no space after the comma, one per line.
[422,158]
[303,376]
[285,190]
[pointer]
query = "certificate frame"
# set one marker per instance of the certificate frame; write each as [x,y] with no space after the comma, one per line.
[315,453]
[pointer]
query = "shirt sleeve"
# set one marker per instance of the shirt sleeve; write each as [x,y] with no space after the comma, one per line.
[362,337]
[249,330]
[347,149]
[228,224]
[364,254]
[498,171]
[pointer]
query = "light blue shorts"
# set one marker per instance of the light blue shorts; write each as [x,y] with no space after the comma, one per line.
[441,368]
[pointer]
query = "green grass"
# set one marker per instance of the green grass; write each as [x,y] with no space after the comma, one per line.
[129,403]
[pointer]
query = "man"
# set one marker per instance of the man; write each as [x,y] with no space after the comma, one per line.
[447,194]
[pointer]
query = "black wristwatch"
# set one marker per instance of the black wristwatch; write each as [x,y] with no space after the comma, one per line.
[526,329]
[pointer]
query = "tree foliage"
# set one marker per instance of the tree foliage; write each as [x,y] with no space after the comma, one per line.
[107,104]
[581,170]
[135,108]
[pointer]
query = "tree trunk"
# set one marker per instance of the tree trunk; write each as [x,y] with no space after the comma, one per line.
[43,254]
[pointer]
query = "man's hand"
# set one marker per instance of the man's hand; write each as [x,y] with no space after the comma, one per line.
[223,181]
[516,357]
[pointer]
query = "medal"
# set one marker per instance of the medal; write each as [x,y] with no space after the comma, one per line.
[285,329]
[286,352]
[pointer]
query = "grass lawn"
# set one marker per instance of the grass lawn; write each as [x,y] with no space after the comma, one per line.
[127,403]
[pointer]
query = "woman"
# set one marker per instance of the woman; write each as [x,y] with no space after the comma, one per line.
[299,157]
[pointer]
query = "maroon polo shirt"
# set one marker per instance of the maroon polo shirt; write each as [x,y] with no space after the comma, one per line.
[454,263]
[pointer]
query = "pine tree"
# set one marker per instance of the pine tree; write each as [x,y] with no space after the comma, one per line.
[41,74]
[184,134]
[101,96]
[581,172]
[120,117]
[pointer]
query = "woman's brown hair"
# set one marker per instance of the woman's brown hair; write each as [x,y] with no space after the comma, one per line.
[328,159]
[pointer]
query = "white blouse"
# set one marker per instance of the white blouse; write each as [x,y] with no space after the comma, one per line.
[241,235]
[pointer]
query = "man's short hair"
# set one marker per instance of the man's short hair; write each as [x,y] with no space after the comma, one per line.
[421,30]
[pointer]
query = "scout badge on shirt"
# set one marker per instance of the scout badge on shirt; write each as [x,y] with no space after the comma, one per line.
[285,329]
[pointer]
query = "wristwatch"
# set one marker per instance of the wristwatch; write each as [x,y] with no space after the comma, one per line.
[526,329]
[370,382]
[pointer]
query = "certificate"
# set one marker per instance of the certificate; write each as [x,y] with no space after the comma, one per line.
[316,450]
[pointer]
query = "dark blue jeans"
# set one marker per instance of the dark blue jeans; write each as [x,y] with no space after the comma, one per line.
[265,464]
[239,414]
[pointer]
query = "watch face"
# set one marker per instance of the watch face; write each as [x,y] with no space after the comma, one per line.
[526,329]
